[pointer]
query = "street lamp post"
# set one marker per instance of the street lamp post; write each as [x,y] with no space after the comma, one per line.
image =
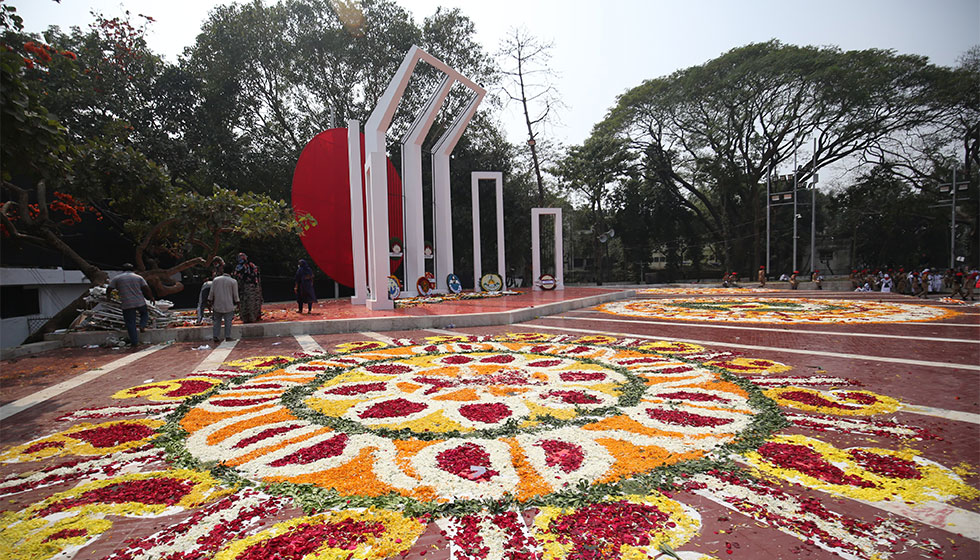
[952,224]
[813,209]
[796,175]
[768,219]
[952,189]
[783,198]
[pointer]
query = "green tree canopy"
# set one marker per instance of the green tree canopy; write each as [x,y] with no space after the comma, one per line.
[590,172]
[274,75]
[710,134]
[82,115]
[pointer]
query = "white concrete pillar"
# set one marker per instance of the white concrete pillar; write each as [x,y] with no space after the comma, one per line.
[376,178]
[414,242]
[498,178]
[356,212]
[536,214]
[379,266]
[442,219]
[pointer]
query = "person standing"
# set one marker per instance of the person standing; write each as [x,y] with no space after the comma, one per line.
[215,268]
[971,284]
[202,301]
[762,277]
[817,279]
[223,298]
[250,286]
[133,293]
[304,287]
[886,283]
[918,287]
[958,286]
[902,283]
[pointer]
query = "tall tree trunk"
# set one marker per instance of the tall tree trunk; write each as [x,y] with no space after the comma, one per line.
[531,141]
[756,241]
[524,58]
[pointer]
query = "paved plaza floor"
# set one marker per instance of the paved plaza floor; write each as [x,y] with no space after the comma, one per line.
[676,423]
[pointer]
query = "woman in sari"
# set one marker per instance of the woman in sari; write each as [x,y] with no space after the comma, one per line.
[249,289]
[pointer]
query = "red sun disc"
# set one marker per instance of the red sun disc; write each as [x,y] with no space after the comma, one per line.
[321,188]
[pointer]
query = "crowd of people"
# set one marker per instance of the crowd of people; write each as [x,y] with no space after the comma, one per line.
[239,286]
[960,282]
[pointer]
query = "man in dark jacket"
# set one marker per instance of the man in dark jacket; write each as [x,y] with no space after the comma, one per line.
[133,293]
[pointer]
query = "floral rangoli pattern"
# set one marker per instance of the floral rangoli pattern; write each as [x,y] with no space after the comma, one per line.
[518,446]
[776,310]
[473,420]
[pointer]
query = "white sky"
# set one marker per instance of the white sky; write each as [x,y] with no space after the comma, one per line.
[604,47]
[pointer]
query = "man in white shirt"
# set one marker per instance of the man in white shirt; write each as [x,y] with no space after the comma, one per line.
[223,299]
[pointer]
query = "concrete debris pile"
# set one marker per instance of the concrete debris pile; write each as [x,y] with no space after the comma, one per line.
[106,313]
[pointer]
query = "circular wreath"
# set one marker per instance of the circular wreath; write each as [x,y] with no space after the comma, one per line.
[423,286]
[395,246]
[394,287]
[491,282]
[455,286]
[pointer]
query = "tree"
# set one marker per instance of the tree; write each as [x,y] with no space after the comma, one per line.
[529,82]
[968,119]
[34,149]
[590,171]
[649,218]
[167,220]
[273,76]
[54,174]
[711,133]
[887,222]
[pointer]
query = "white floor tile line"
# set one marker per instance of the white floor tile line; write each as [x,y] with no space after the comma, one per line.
[701,325]
[932,513]
[444,331]
[712,496]
[9,409]
[942,413]
[379,337]
[308,345]
[935,514]
[886,359]
[216,357]
[929,324]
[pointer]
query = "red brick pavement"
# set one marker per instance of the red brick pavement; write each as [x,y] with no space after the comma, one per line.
[722,529]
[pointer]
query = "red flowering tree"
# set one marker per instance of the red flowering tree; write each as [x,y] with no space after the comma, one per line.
[92,158]
[34,148]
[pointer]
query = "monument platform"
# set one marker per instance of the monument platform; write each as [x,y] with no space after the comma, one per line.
[334,316]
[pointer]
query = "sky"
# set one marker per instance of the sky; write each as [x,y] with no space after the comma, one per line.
[604,47]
